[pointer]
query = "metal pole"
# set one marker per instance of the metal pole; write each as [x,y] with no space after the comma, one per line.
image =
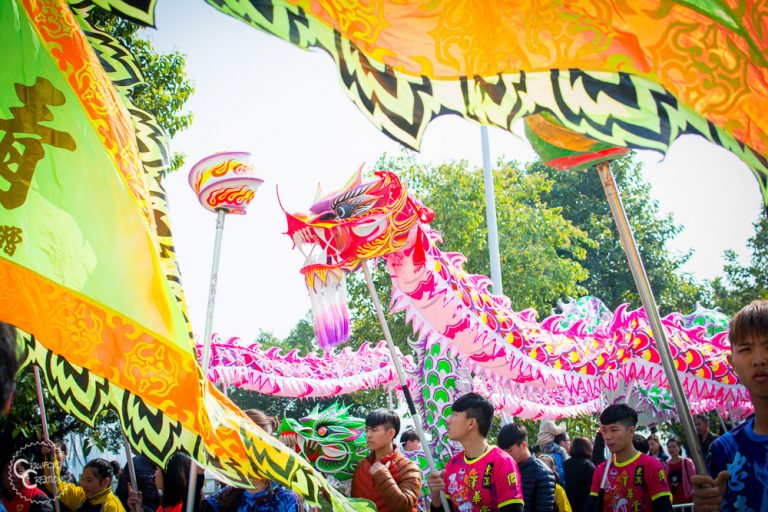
[44,423]
[490,214]
[401,376]
[129,464]
[649,303]
[207,338]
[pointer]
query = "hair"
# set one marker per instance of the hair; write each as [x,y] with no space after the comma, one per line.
[386,417]
[619,413]
[549,460]
[581,447]
[408,435]
[477,407]
[654,437]
[511,434]
[103,468]
[750,322]
[175,479]
[640,443]
[559,438]
[267,423]
[9,363]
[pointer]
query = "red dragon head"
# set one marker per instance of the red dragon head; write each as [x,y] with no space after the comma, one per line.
[342,229]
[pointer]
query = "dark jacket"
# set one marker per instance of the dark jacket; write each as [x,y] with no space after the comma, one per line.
[578,474]
[145,480]
[538,485]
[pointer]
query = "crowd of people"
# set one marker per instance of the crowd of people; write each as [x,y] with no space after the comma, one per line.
[556,474]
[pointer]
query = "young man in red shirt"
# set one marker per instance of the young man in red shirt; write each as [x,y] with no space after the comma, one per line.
[636,481]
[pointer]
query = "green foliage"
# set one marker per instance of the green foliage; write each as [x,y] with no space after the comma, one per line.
[583,202]
[23,420]
[741,284]
[166,87]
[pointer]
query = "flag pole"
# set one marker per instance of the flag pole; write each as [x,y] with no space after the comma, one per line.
[220,215]
[649,303]
[129,464]
[44,423]
[225,183]
[416,415]
[490,214]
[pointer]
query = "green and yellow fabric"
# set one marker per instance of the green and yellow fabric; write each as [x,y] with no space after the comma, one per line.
[83,225]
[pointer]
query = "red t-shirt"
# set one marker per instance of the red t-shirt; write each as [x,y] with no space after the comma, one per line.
[631,485]
[484,484]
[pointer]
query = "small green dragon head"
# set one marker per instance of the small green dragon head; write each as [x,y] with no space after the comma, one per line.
[331,440]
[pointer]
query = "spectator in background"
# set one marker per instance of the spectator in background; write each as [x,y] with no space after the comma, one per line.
[680,470]
[62,450]
[145,481]
[549,431]
[655,449]
[538,481]
[578,472]
[640,443]
[561,499]
[410,441]
[706,437]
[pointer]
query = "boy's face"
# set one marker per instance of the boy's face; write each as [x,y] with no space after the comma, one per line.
[379,437]
[617,436]
[749,358]
[459,425]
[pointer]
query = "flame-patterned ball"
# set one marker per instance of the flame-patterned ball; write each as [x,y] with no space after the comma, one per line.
[225,181]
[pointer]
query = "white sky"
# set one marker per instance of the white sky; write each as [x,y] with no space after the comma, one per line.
[257,93]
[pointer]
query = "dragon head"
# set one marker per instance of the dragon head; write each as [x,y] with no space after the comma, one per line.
[330,439]
[363,220]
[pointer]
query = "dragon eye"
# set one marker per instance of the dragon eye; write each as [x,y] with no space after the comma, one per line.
[344,210]
[322,431]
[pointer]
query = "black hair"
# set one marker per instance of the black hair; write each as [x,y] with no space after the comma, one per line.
[408,435]
[581,447]
[511,434]
[103,468]
[559,438]
[640,443]
[619,413]
[750,322]
[175,479]
[9,363]
[703,417]
[386,417]
[477,407]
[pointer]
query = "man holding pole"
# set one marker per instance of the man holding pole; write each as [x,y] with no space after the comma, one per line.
[482,478]
[739,458]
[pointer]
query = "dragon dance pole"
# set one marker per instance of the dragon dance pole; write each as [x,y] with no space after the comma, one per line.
[649,303]
[490,213]
[131,469]
[44,423]
[224,183]
[416,415]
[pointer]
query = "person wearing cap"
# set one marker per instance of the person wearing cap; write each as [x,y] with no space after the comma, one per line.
[537,481]
[550,437]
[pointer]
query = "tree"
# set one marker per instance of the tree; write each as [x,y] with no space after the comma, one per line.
[166,87]
[583,202]
[163,94]
[741,284]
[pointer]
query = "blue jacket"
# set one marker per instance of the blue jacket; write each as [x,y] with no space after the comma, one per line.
[538,485]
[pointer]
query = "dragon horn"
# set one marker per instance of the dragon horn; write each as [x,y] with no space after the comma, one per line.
[319,193]
[356,179]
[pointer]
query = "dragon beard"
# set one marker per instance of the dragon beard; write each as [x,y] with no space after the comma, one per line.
[328,297]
